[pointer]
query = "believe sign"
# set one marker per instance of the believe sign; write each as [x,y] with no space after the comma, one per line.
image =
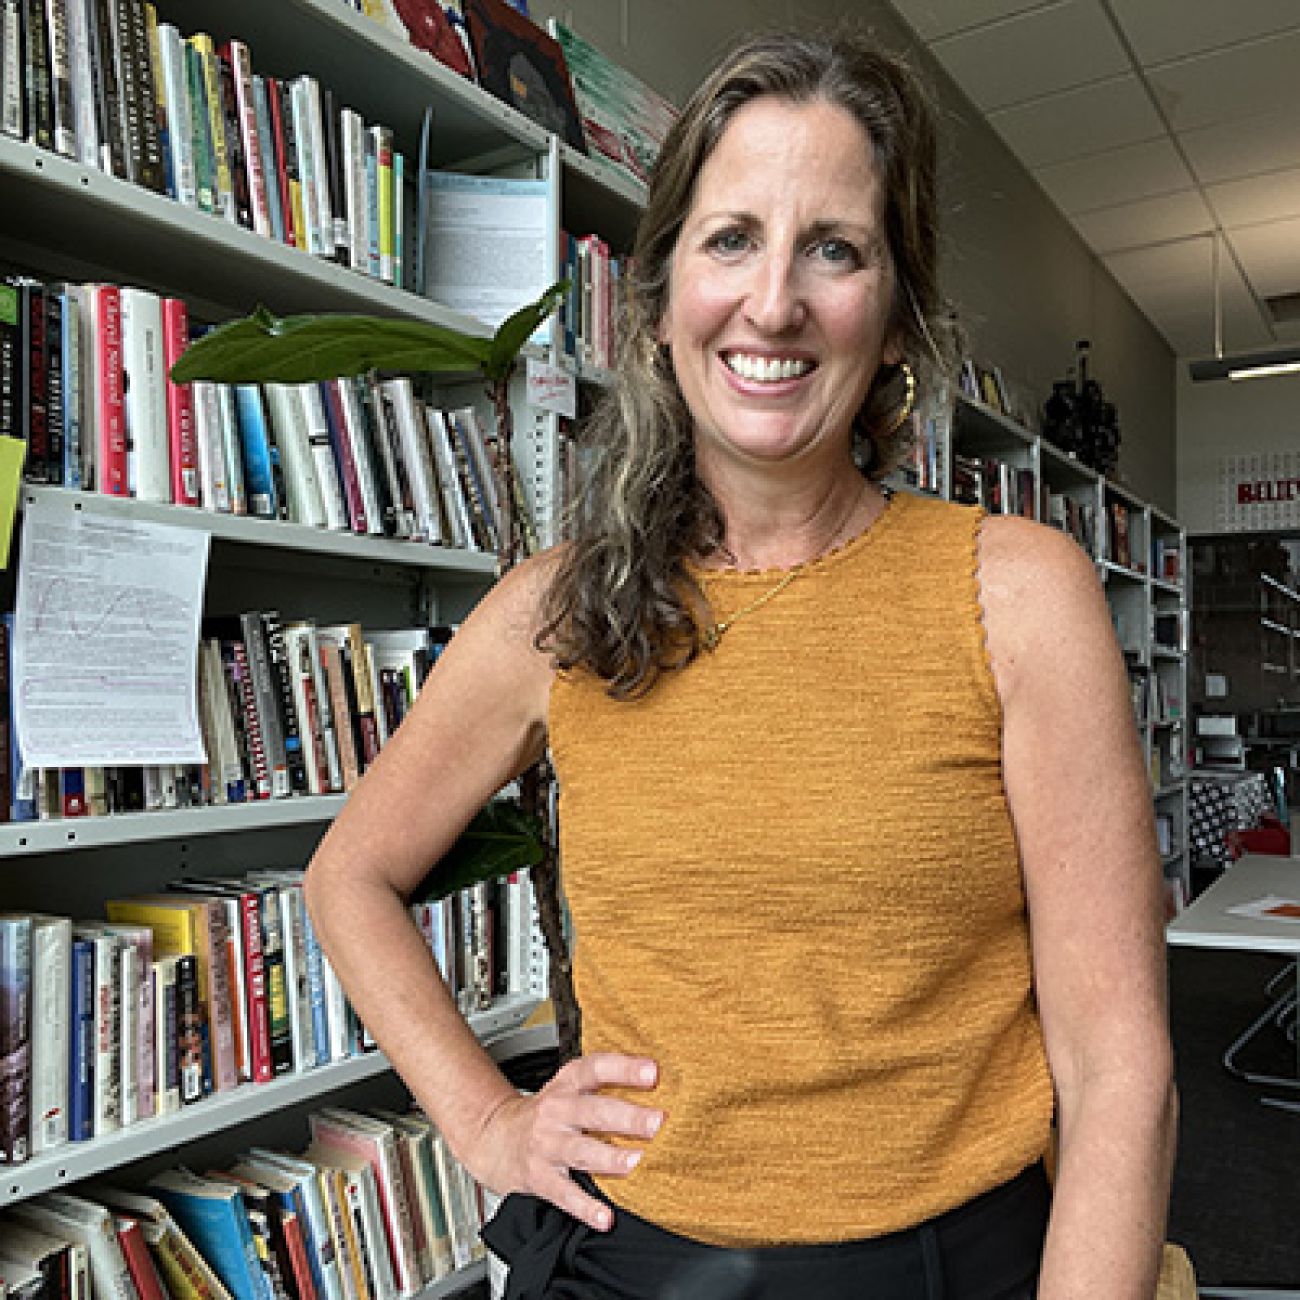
[1259,492]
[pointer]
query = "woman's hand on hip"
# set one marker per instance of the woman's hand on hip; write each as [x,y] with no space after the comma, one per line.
[531,1143]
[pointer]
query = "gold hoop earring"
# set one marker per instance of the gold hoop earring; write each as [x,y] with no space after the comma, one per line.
[909,401]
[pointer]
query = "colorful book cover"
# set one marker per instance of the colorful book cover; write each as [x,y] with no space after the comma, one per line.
[622,118]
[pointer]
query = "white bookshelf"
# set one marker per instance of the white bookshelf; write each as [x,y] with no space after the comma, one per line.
[1135,592]
[76,1161]
[62,220]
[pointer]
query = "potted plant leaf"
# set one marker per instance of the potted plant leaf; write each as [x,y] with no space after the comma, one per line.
[264,348]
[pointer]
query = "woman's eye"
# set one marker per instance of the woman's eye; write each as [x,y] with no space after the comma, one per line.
[729,241]
[837,251]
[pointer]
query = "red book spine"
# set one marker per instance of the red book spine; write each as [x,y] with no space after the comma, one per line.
[278,147]
[110,414]
[180,407]
[139,1262]
[259,1026]
[293,1242]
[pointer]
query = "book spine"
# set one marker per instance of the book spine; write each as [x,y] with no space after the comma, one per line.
[239,174]
[129,1031]
[256,443]
[81,1062]
[200,133]
[108,1047]
[189,1029]
[36,383]
[282,687]
[109,404]
[321,446]
[384,258]
[180,139]
[156,167]
[270,165]
[352,143]
[263,1067]
[250,135]
[278,1018]
[232,454]
[145,396]
[306,214]
[280,155]
[73,391]
[287,134]
[12,103]
[357,441]
[108,91]
[51,1033]
[331,130]
[36,76]
[220,999]
[320,145]
[332,405]
[63,120]
[55,397]
[214,102]
[183,452]
[235,655]
[16,1037]
[265,701]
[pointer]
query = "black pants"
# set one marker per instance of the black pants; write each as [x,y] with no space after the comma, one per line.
[988,1249]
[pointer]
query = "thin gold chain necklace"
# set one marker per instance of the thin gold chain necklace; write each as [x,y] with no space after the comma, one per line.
[711,634]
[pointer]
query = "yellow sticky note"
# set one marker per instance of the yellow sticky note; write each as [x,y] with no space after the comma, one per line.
[13,452]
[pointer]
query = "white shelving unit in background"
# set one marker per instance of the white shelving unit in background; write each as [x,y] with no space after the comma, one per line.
[61,220]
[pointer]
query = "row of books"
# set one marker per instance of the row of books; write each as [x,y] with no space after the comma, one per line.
[85,379]
[216,982]
[922,463]
[1074,518]
[1167,558]
[589,314]
[105,83]
[1119,538]
[285,708]
[1001,488]
[374,1208]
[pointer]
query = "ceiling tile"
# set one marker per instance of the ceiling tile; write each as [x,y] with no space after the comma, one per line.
[1033,54]
[1268,254]
[1240,81]
[1136,171]
[1241,148]
[931,19]
[1159,30]
[1131,225]
[1256,198]
[1104,115]
[1174,288]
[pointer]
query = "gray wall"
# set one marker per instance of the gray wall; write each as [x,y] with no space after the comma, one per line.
[1025,285]
[1247,418]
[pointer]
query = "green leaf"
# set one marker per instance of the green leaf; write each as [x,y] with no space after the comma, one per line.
[517,329]
[502,838]
[263,348]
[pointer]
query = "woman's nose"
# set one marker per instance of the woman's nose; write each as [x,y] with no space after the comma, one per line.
[775,303]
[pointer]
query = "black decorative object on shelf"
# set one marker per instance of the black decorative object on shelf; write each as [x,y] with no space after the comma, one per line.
[1079,420]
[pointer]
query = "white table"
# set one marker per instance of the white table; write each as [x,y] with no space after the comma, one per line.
[1208,923]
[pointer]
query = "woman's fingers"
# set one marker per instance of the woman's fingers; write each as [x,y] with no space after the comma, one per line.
[561,1190]
[597,1114]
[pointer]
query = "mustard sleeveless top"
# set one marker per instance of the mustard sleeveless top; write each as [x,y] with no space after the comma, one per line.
[793,881]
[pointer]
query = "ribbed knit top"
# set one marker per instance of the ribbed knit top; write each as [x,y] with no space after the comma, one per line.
[794,883]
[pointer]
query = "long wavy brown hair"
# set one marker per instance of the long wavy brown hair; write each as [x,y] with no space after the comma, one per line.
[621,603]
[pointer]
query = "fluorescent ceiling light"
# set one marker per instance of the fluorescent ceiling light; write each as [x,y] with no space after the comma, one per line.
[1263,372]
[1249,365]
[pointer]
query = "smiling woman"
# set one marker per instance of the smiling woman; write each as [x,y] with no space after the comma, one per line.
[855,831]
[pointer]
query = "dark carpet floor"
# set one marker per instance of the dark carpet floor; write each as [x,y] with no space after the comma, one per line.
[1236,1194]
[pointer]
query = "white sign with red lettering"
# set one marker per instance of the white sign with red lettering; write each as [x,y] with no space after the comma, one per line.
[1259,492]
